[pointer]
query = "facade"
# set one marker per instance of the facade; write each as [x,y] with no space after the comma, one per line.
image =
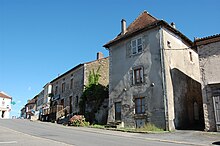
[39,105]
[23,113]
[154,76]
[68,87]
[5,105]
[46,102]
[209,58]
[31,107]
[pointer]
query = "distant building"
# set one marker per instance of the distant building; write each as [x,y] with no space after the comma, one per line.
[46,102]
[40,101]
[68,87]
[23,113]
[209,59]
[5,105]
[31,107]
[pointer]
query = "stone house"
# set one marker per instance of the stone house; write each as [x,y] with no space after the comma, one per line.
[154,76]
[68,87]
[209,58]
[31,108]
[5,105]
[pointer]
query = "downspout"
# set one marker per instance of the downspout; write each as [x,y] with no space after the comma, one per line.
[163,74]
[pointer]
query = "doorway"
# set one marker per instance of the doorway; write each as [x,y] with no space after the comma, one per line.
[3,114]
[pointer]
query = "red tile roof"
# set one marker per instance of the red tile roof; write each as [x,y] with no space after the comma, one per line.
[4,95]
[141,21]
[144,22]
[207,40]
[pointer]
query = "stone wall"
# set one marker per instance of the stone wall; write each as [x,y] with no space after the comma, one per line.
[209,57]
[103,64]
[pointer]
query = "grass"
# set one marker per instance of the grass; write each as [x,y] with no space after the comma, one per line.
[97,126]
[148,128]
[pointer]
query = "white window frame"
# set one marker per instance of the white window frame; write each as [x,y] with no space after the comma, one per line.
[140,75]
[136,46]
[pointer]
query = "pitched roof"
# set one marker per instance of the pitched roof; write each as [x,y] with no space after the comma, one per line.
[141,21]
[144,22]
[4,95]
[207,40]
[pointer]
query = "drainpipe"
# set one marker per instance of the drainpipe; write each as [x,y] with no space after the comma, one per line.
[164,80]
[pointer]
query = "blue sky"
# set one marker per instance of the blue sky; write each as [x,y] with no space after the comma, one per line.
[40,39]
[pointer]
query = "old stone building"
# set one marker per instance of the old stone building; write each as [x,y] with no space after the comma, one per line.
[31,108]
[68,87]
[154,76]
[209,58]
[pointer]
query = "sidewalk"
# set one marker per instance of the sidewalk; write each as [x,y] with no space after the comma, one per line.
[186,137]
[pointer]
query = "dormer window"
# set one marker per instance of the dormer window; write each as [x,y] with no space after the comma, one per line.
[136,46]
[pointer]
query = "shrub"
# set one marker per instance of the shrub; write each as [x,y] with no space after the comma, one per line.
[78,120]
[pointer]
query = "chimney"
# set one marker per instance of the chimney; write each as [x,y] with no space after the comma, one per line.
[123,26]
[173,24]
[100,55]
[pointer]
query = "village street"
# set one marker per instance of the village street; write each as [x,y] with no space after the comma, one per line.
[24,132]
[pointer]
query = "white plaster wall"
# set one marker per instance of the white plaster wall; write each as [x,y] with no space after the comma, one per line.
[121,89]
[5,105]
[177,56]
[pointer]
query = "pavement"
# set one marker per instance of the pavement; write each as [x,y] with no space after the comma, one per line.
[184,137]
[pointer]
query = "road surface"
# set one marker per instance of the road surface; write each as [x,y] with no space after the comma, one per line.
[15,132]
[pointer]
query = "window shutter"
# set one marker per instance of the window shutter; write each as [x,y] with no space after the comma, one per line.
[131,77]
[128,49]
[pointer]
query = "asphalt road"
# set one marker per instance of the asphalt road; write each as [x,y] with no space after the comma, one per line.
[24,132]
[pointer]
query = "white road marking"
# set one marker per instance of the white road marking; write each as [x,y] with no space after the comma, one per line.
[8,142]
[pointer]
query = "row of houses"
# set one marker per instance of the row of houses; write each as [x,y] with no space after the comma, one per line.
[155,74]
[60,97]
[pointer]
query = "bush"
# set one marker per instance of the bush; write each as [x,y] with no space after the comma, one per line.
[78,120]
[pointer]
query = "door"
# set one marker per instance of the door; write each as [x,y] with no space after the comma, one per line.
[216,101]
[118,111]
[3,114]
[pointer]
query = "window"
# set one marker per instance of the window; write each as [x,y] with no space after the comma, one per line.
[56,90]
[136,46]
[190,56]
[63,87]
[117,111]
[139,105]
[169,44]
[71,84]
[138,75]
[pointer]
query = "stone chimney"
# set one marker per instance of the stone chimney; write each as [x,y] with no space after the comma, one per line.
[123,26]
[100,55]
